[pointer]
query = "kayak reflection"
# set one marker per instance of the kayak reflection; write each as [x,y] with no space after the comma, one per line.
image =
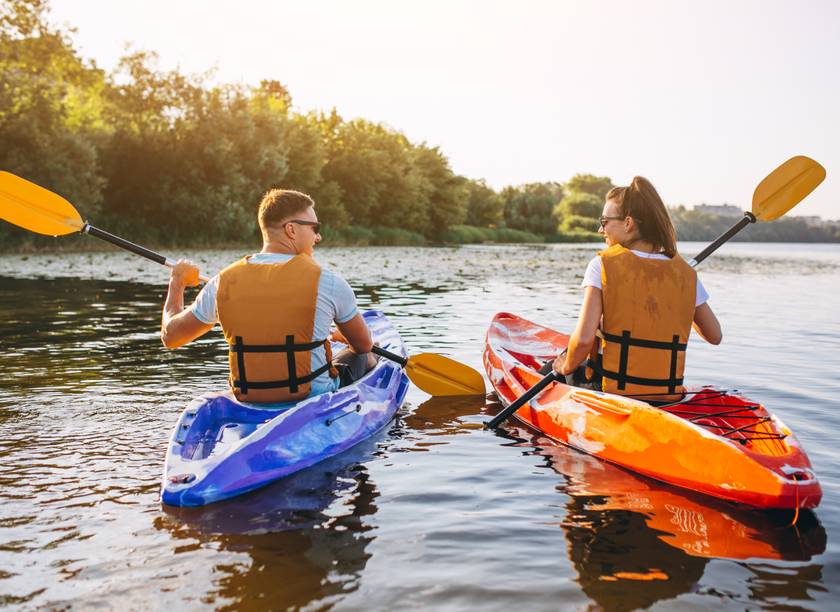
[306,535]
[634,541]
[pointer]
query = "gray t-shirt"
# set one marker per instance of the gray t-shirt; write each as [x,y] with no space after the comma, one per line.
[336,302]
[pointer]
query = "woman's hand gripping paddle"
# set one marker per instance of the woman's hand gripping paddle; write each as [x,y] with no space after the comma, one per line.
[780,191]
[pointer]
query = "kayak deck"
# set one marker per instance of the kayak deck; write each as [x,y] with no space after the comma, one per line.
[221,447]
[715,442]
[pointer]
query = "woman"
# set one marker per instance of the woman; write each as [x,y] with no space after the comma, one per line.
[640,299]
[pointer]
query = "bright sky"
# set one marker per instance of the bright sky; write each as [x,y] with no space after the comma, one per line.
[703,98]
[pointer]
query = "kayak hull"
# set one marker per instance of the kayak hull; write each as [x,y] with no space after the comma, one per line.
[718,443]
[221,448]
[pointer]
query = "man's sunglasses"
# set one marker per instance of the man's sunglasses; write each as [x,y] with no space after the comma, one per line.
[315,225]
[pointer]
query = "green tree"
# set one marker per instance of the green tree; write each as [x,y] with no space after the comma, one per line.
[485,207]
[578,223]
[597,186]
[531,207]
[445,194]
[48,101]
[580,204]
[374,168]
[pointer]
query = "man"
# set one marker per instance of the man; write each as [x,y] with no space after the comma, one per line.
[275,309]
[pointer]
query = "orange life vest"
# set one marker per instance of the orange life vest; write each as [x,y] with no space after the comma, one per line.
[267,314]
[648,310]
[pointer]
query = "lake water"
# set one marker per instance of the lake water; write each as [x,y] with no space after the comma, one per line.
[434,511]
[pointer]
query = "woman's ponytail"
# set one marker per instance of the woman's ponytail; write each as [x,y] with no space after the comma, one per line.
[641,201]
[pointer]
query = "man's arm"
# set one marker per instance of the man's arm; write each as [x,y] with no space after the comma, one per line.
[178,327]
[357,334]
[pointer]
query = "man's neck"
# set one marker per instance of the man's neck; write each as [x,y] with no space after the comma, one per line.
[281,248]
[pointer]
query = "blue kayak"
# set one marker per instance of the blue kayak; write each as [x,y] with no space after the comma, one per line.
[221,447]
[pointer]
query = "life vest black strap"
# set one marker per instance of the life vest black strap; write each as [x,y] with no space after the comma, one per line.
[291,365]
[276,384]
[289,348]
[240,362]
[626,341]
[625,338]
[274,348]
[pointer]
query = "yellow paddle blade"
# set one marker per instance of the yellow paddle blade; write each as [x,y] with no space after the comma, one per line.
[32,207]
[439,375]
[786,187]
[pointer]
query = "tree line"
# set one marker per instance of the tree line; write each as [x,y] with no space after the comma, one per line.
[167,158]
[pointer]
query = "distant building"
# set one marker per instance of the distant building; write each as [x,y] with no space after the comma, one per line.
[722,210]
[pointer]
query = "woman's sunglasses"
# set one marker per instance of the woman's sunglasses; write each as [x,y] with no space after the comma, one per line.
[603,220]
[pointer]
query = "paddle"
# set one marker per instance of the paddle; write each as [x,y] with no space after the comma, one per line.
[780,191]
[39,210]
[438,375]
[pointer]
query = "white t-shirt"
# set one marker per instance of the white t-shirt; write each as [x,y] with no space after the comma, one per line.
[336,302]
[592,276]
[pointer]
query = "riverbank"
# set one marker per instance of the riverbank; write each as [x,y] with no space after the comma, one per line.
[21,242]
[17,241]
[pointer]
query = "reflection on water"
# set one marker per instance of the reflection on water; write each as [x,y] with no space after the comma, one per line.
[306,535]
[634,541]
[434,512]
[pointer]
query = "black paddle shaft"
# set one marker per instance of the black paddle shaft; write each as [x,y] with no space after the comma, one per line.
[523,399]
[748,218]
[124,244]
[389,355]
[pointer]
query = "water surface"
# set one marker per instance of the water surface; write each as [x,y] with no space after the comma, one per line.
[432,512]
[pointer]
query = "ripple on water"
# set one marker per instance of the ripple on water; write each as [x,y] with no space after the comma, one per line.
[435,512]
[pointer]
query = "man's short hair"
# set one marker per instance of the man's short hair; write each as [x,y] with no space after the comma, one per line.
[281,204]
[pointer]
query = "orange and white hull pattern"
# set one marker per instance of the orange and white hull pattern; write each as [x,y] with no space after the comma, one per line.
[715,442]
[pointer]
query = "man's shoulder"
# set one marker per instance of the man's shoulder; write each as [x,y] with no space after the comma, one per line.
[331,277]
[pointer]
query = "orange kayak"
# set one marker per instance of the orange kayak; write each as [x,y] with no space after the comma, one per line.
[715,442]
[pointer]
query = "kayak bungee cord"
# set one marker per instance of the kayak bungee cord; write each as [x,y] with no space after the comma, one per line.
[733,412]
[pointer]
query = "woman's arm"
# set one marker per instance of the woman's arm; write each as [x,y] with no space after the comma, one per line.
[706,324]
[584,335]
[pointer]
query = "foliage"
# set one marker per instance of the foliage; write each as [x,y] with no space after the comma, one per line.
[693,225]
[580,204]
[584,201]
[597,186]
[47,131]
[531,207]
[469,234]
[164,157]
[484,206]
[575,223]
[353,235]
